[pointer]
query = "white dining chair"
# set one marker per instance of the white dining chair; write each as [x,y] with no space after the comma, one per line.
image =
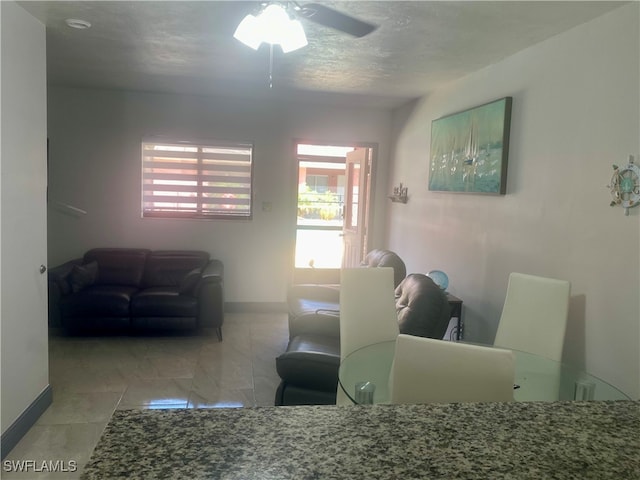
[427,370]
[534,315]
[367,311]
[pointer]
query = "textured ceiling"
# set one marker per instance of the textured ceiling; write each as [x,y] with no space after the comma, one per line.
[188,46]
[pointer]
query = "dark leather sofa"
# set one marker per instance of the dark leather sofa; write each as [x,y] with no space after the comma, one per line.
[309,367]
[133,289]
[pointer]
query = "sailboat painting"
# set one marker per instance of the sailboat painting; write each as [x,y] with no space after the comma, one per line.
[469,150]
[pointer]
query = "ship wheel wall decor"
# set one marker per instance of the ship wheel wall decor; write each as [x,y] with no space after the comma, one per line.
[625,186]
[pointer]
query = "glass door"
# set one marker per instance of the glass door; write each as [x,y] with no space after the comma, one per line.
[325,208]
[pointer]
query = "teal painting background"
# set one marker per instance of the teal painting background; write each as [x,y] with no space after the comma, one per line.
[469,149]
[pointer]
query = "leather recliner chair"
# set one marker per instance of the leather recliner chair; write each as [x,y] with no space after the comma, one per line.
[309,366]
[315,309]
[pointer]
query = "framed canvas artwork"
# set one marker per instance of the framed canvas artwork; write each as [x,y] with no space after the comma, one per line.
[469,150]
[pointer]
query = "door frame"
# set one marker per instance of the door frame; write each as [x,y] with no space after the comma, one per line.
[326,275]
[356,235]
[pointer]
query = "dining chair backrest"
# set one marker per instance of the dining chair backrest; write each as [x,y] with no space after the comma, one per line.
[367,308]
[427,370]
[534,315]
[367,312]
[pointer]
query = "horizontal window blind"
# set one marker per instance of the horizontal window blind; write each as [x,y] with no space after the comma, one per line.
[181,180]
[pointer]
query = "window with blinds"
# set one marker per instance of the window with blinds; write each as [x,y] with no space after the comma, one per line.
[188,180]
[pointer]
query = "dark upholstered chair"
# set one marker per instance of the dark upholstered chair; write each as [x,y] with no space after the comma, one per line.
[309,371]
[315,309]
[309,366]
[422,307]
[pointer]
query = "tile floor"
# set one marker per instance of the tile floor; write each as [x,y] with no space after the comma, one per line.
[93,376]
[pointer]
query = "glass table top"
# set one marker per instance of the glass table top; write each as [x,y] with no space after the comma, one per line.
[536,378]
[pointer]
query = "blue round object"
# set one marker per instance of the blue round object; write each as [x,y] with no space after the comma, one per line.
[439,278]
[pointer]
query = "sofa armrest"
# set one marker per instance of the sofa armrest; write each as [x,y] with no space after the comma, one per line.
[213,271]
[61,272]
[58,286]
[210,293]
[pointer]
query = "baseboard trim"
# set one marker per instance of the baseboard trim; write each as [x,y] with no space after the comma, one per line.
[255,307]
[25,421]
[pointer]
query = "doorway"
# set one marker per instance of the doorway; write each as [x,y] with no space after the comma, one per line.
[332,214]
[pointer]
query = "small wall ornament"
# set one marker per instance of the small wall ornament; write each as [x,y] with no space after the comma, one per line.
[400,194]
[625,186]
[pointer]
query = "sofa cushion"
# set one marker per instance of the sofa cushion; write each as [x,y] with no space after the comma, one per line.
[82,276]
[311,361]
[98,301]
[168,268]
[163,302]
[118,266]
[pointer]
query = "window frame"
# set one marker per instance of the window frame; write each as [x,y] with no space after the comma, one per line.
[199,193]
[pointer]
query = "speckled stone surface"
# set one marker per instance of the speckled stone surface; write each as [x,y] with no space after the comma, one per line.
[561,440]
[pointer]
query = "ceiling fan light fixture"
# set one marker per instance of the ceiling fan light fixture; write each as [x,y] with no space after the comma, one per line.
[274,26]
[293,38]
[248,32]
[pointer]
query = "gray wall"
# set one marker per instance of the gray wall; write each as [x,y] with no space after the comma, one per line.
[95,138]
[575,113]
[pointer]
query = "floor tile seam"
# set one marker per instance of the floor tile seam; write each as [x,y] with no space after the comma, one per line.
[69,393]
[189,389]
[40,420]
[152,378]
[65,389]
[76,422]
[252,340]
[93,421]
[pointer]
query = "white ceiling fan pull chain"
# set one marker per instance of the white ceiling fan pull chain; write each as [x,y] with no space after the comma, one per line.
[271,65]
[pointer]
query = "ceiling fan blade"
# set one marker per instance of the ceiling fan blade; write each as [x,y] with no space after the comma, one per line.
[337,20]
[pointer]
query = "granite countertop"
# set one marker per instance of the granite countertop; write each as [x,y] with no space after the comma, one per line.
[556,440]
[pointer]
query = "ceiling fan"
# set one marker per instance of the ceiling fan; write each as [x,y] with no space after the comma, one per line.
[277,23]
[334,19]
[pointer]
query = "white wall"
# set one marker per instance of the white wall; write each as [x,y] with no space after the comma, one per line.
[23,300]
[95,140]
[575,113]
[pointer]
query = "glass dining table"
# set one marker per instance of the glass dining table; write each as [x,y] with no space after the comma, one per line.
[367,371]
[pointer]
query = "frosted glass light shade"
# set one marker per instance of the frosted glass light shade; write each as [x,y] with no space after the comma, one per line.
[248,32]
[273,26]
[293,38]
